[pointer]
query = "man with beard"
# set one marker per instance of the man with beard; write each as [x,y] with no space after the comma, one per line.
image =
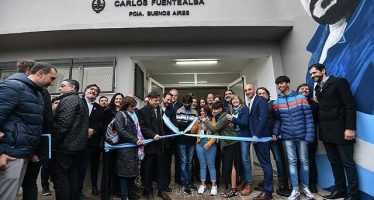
[70,139]
[168,111]
[227,104]
[337,125]
[152,126]
[175,106]
[186,145]
[343,43]
[95,133]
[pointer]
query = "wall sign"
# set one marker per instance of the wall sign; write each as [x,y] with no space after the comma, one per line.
[157,7]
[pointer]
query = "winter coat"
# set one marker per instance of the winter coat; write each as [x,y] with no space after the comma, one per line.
[222,127]
[71,121]
[242,122]
[127,161]
[337,111]
[21,116]
[184,119]
[294,120]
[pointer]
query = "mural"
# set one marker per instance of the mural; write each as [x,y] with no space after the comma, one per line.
[344,43]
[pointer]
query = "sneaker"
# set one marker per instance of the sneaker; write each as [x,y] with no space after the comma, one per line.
[307,193]
[201,189]
[295,195]
[214,190]
[46,191]
[186,190]
[193,187]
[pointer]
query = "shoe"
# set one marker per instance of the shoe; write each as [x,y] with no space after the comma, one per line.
[263,196]
[231,192]
[307,193]
[240,187]
[335,195]
[193,187]
[295,195]
[163,196]
[214,190]
[95,191]
[46,191]
[201,189]
[313,188]
[260,186]
[186,190]
[247,190]
[168,189]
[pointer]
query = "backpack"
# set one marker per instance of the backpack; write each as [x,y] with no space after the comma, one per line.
[111,135]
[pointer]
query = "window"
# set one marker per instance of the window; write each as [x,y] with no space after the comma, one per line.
[100,70]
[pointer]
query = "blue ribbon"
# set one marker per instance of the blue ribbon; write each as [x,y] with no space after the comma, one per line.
[170,125]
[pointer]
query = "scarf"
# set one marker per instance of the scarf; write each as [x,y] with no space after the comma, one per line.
[138,134]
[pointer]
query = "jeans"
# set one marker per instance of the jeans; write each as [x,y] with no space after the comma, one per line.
[186,155]
[275,150]
[292,147]
[247,168]
[207,159]
[127,185]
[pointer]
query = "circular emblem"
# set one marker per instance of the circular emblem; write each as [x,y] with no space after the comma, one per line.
[98,5]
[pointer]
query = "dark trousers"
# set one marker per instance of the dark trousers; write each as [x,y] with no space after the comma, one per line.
[177,168]
[313,174]
[263,154]
[92,156]
[109,182]
[230,157]
[29,186]
[127,185]
[168,161]
[342,164]
[45,172]
[65,175]
[150,161]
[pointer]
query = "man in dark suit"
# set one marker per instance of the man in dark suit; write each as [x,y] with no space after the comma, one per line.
[152,127]
[175,105]
[94,134]
[337,124]
[258,127]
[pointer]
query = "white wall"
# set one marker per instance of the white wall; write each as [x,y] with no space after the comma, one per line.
[260,72]
[44,15]
[294,55]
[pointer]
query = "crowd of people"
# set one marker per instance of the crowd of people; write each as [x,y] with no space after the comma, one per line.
[79,127]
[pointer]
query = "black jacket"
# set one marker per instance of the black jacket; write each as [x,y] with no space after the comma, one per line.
[337,111]
[71,121]
[96,123]
[150,127]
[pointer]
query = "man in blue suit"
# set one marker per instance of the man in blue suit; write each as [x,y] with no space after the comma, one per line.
[258,127]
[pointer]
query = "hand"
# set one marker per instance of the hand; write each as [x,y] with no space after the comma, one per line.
[254,137]
[229,117]
[140,142]
[3,161]
[206,146]
[35,159]
[90,132]
[1,135]
[157,137]
[275,138]
[349,134]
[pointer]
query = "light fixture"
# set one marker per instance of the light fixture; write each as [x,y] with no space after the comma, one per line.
[191,82]
[195,61]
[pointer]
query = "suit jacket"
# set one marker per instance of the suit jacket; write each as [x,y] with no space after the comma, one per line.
[258,117]
[337,110]
[150,127]
[242,122]
[96,123]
